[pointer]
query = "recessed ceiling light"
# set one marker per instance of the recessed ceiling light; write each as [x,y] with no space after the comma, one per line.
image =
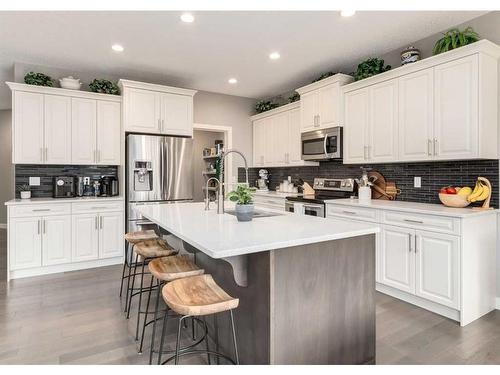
[274,56]
[347,13]
[232,81]
[187,17]
[117,48]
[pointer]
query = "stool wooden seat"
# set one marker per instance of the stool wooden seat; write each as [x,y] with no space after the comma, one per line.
[154,249]
[173,268]
[142,235]
[197,295]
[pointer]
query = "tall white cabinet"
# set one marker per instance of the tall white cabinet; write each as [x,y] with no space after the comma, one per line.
[440,108]
[57,126]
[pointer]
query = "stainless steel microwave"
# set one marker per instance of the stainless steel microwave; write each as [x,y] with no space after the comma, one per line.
[322,144]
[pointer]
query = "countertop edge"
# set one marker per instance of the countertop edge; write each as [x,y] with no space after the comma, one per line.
[19,202]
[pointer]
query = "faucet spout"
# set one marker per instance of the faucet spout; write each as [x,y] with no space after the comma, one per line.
[223,154]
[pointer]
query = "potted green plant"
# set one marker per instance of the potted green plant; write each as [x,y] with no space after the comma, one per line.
[265,105]
[25,191]
[38,79]
[243,196]
[455,38]
[104,86]
[370,67]
[294,97]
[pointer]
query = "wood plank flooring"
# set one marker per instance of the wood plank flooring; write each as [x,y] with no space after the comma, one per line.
[76,318]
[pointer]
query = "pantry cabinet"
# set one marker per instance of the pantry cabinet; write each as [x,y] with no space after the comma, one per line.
[57,126]
[156,109]
[321,103]
[276,138]
[440,108]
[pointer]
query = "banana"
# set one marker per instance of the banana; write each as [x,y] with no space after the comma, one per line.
[478,189]
[484,194]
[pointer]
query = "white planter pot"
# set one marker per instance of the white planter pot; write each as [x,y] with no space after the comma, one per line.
[25,194]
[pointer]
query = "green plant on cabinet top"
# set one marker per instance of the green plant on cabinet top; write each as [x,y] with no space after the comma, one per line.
[455,38]
[370,67]
[265,105]
[38,79]
[104,86]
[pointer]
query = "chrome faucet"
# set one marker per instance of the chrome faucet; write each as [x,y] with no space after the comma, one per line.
[207,199]
[223,154]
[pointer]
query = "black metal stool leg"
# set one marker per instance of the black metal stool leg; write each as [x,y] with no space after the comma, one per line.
[146,314]
[163,333]
[157,304]
[131,289]
[140,300]
[216,333]
[178,343]
[237,359]
[206,340]
[125,263]
[128,277]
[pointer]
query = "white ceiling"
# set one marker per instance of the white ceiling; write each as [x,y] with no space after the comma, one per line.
[218,45]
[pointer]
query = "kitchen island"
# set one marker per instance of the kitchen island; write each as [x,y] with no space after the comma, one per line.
[306,285]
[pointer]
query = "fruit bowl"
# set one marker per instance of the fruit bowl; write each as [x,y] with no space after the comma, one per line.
[453,200]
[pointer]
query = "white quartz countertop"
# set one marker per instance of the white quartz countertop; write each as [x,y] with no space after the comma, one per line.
[14,202]
[222,236]
[422,208]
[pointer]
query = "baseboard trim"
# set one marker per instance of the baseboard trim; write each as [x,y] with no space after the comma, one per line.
[39,271]
[3,225]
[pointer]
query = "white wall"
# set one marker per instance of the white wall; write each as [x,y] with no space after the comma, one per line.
[6,167]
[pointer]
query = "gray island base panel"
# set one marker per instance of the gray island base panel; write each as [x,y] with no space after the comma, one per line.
[308,304]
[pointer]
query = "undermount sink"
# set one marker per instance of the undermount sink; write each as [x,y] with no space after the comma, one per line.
[256,213]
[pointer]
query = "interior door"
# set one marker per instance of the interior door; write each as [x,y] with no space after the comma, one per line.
[397,263]
[111,234]
[437,268]
[83,131]
[416,115]
[85,237]
[143,110]
[294,139]
[57,134]
[356,124]
[309,103]
[456,115]
[177,114]
[108,132]
[27,131]
[56,240]
[25,243]
[383,123]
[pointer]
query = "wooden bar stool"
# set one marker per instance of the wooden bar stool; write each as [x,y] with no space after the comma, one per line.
[165,269]
[132,238]
[145,251]
[199,296]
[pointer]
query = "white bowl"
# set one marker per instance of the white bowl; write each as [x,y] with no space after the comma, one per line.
[70,83]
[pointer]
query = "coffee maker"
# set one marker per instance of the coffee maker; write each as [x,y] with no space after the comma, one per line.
[109,186]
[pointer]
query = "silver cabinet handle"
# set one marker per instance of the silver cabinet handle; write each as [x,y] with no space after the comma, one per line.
[368,152]
[364,152]
[349,212]
[414,221]
[41,153]
[41,209]
[100,222]
[46,153]
[415,244]
[96,223]
[162,125]
[436,151]
[409,242]
[429,146]
[159,124]
[44,226]
[38,227]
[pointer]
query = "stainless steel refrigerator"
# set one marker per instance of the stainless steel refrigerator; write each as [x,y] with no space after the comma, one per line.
[159,170]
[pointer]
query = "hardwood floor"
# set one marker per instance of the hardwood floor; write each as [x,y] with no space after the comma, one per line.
[76,318]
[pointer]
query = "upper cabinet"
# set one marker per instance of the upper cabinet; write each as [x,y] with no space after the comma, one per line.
[276,137]
[59,126]
[440,108]
[321,103]
[156,109]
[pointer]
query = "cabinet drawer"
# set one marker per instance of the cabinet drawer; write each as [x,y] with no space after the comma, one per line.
[433,223]
[269,201]
[40,210]
[356,213]
[92,207]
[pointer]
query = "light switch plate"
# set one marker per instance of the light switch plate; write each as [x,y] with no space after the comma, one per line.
[417,182]
[34,181]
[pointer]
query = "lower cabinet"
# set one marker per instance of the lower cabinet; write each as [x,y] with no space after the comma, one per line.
[56,240]
[110,234]
[25,243]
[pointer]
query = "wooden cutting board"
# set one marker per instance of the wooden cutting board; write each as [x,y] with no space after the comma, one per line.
[379,185]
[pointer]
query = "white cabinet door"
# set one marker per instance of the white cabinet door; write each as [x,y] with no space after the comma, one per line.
[142,110]
[383,122]
[111,234]
[328,106]
[294,140]
[85,237]
[309,103]
[25,243]
[83,131]
[28,128]
[416,115]
[437,268]
[258,143]
[356,117]
[56,240]
[397,263]
[108,132]
[177,114]
[278,139]
[57,118]
[456,109]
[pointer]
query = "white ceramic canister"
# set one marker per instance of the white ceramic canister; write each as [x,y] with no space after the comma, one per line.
[365,193]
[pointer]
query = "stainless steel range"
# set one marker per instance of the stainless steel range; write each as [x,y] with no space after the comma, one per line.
[324,189]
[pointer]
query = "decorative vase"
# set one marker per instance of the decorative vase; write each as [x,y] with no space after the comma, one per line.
[244,212]
[25,194]
[410,55]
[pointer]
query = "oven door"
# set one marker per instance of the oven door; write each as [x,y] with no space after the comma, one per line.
[322,144]
[311,209]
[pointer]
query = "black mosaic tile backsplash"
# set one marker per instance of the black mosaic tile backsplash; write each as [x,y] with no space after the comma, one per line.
[434,176]
[48,172]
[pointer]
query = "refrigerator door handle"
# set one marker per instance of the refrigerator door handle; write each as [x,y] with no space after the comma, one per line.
[162,155]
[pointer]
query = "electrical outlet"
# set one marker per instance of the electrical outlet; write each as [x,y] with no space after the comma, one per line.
[34,181]
[417,182]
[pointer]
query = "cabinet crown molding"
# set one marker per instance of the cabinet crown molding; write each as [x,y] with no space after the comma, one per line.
[275,111]
[125,83]
[14,86]
[343,79]
[482,46]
